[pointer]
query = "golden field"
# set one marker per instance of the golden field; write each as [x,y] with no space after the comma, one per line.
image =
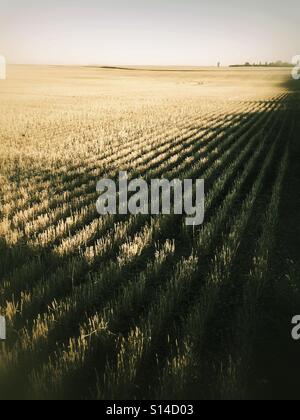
[122,307]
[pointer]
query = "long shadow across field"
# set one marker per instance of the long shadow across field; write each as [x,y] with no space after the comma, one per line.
[50,264]
[275,366]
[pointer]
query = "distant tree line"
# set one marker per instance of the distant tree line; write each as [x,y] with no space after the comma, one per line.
[266,64]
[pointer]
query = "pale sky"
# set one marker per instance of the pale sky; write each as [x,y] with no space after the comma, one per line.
[153,32]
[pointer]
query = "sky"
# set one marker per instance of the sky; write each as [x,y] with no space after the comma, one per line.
[149,32]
